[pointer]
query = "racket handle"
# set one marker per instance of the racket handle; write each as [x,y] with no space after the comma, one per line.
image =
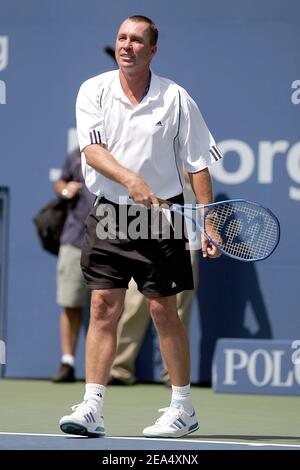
[164,201]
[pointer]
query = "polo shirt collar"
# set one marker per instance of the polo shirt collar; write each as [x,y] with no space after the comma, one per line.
[152,94]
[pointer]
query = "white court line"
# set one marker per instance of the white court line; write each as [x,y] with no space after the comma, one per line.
[34,434]
[203,441]
[254,444]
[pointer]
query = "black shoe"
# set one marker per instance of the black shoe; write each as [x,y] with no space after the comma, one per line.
[114,381]
[64,374]
[167,383]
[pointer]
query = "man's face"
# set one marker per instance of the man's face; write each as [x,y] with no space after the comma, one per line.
[133,47]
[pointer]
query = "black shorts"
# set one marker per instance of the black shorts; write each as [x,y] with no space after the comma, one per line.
[160,266]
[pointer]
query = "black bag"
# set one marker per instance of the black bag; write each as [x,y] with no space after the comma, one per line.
[49,223]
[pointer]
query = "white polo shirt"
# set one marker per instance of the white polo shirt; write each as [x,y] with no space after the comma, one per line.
[155,139]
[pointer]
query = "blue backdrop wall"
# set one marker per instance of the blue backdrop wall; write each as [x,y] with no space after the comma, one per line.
[240,62]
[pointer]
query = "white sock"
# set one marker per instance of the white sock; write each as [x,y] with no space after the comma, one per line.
[182,396]
[94,393]
[68,359]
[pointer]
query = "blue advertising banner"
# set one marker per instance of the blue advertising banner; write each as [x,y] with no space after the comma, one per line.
[257,366]
[240,63]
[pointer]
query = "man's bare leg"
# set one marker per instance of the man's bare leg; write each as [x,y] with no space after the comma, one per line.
[87,418]
[179,419]
[70,322]
[106,307]
[173,339]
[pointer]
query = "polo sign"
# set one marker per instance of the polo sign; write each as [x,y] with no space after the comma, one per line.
[256,366]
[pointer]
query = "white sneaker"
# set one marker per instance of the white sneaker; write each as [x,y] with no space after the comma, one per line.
[85,421]
[175,422]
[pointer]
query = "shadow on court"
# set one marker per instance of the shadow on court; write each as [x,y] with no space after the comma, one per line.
[226,288]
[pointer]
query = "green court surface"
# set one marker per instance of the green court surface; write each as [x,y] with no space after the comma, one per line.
[31,406]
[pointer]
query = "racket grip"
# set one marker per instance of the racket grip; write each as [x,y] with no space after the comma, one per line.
[164,201]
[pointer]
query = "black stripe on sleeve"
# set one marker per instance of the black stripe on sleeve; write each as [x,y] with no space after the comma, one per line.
[212,152]
[95,137]
[218,151]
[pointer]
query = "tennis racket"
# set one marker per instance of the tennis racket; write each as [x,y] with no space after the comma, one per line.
[240,229]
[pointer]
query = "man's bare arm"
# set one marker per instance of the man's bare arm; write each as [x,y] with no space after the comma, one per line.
[202,187]
[99,158]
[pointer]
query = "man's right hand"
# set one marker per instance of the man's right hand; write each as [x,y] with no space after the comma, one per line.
[140,192]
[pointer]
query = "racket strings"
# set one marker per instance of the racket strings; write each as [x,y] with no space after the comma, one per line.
[242,229]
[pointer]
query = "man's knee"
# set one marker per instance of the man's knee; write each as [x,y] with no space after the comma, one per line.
[163,310]
[105,307]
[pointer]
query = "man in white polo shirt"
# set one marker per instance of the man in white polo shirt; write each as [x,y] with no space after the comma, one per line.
[137,132]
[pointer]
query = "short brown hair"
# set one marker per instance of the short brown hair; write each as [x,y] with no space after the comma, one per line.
[153,31]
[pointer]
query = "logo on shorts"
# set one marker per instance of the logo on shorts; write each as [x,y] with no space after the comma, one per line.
[174,284]
[159,123]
